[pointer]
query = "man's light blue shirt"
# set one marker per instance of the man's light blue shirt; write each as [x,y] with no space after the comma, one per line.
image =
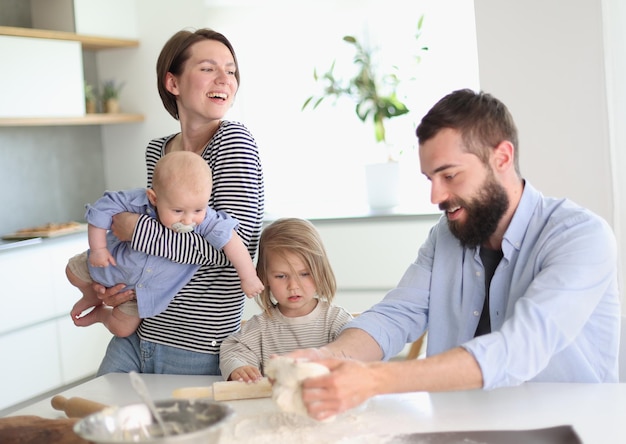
[554,301]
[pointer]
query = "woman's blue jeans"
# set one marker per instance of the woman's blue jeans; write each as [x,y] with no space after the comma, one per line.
[132,353]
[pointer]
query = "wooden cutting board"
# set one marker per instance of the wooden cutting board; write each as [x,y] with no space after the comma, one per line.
[228,390]
[47,230]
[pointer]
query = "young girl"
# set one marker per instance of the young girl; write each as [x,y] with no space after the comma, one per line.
[296,301]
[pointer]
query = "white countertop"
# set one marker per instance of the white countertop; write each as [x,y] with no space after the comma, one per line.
[597,412]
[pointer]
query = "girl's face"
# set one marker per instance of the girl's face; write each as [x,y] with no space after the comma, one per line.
[207,86]
[291,284]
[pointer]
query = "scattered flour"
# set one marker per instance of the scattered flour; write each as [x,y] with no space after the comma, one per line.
[290,428]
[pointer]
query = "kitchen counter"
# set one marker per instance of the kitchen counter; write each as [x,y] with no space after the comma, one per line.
[596,412]
[10,244]
[18,244]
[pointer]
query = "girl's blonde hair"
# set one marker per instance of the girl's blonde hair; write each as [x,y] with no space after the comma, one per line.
[299,237]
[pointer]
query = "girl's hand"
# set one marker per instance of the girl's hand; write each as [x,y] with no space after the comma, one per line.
[246,373]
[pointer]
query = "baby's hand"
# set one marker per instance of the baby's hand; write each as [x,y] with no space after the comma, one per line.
[252,286]
[246,373]
[100,257]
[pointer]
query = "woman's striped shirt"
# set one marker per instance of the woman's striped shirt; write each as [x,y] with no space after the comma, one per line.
[210,306]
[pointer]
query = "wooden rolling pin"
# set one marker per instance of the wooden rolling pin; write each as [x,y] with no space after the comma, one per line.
[228,390]
[76,407]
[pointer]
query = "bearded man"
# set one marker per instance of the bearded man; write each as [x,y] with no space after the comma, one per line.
[511,286]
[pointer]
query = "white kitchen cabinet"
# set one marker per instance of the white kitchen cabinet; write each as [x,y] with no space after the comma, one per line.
[26,297]
[80,349]
[49,81]
[41,348]
[30,363]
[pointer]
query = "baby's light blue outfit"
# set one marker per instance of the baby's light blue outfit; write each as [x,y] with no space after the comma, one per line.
[156,280]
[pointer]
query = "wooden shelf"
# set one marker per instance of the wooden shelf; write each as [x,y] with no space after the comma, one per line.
[87,119]
[88,42]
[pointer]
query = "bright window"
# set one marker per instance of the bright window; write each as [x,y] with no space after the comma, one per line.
[314,159]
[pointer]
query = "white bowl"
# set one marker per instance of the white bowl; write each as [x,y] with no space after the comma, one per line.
[187,421]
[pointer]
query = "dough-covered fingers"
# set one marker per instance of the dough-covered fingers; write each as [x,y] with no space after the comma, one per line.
[347,386]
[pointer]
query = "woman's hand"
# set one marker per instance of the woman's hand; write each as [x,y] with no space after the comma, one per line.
[123,225]
[114,296]
[246,373]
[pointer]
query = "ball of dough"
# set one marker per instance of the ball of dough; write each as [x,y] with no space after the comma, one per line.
[288,375]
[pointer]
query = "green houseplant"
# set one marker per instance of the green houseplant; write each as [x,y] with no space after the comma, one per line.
[375,95]
[91,98]
[376,100]
[110,95]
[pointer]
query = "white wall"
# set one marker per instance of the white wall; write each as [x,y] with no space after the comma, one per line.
[544,59]
[615,65]
[548,61]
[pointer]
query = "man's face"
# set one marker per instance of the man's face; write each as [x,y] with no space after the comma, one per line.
[464,187]
[484,211]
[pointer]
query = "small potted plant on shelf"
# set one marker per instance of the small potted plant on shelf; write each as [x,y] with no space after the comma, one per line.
[91,98]
[110,96]
[376,100]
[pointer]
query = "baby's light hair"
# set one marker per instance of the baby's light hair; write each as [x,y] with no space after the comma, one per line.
[299,237]
[182,169]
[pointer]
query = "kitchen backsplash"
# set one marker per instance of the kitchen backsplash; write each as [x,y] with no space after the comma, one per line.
[48,174]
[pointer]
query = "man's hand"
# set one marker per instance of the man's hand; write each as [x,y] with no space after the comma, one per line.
[349,384]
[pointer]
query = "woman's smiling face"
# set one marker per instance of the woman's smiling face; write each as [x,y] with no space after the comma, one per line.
[207,85]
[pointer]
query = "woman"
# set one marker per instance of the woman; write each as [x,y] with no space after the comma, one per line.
[197,79]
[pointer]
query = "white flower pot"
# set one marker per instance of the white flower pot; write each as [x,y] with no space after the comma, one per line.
[383,185]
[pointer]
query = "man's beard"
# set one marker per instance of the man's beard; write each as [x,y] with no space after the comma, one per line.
[483,214]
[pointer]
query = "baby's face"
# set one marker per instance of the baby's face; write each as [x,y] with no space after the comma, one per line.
[180,210]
